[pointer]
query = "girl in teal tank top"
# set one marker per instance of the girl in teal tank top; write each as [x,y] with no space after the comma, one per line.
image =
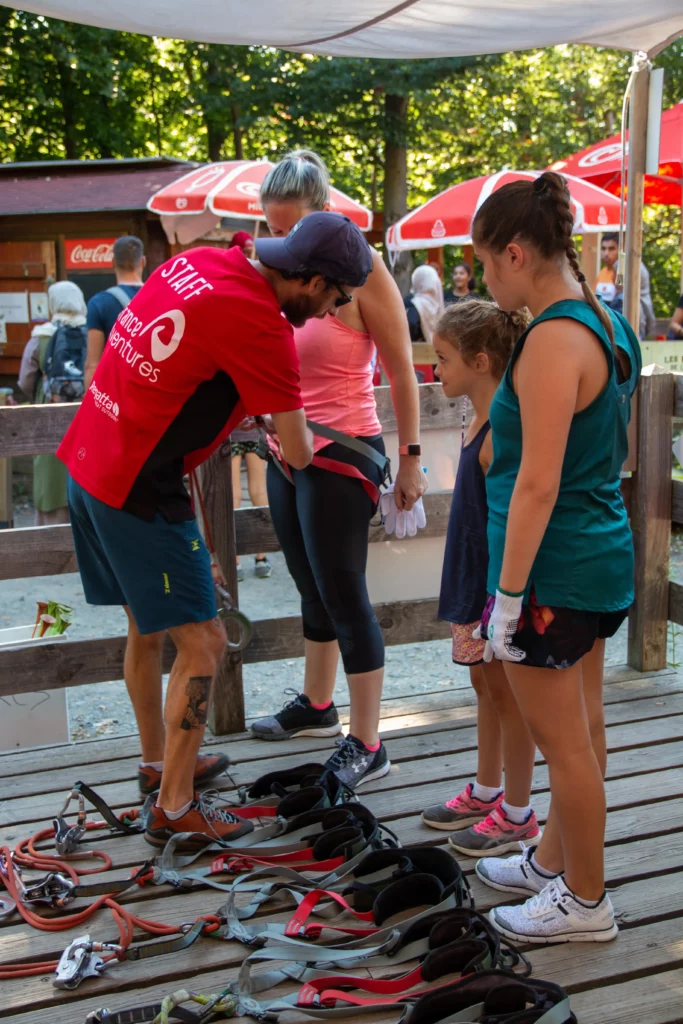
[561,552]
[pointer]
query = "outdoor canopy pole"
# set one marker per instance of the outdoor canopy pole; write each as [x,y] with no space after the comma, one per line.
[636,188]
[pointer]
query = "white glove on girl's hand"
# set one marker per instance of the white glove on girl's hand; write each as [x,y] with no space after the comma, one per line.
[398,521]
[501,628]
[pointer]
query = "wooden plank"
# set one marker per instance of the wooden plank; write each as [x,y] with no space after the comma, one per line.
[650,1000]
[34,429]
[651,521]
[77,662]
[49,550]
[247,750]
[622,685]
[423,354]
[666,892]
[648,948]
[451,754]
[676,603]
[226,714]
[38,429]
[678,395]
[677,502]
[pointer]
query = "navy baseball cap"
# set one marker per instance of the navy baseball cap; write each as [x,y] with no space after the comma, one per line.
[328,243]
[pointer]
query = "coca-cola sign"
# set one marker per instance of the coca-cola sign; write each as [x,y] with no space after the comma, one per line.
[89,253]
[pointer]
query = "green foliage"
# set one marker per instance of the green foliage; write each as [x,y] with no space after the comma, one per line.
[79,92]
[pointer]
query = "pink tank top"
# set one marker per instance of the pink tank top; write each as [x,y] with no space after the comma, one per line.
[336,377]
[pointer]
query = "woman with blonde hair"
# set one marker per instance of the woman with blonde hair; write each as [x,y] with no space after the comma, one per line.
[321,514]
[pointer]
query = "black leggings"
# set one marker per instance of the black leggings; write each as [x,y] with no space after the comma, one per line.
[322,525]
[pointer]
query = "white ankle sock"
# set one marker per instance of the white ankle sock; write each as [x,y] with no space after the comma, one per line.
[174,815]
[158,766]
[487,794]
[517,815]
[543,872]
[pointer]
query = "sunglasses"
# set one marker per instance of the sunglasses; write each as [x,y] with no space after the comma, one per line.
[345,299]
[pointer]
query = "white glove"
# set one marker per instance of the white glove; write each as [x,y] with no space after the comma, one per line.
[399,521]
[501,628]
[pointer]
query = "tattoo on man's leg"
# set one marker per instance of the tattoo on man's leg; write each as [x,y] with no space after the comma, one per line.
[197,691]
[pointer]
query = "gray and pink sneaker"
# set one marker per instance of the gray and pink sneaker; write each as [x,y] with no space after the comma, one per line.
[496,834]
[463,810]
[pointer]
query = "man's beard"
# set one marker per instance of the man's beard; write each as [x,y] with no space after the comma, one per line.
[301,309]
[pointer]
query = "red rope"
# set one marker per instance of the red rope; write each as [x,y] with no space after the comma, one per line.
[27,856]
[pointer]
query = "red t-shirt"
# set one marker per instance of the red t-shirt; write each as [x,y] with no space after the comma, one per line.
[201,345]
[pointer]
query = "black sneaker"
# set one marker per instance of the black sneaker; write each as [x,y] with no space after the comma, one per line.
[297,718]
[354,764]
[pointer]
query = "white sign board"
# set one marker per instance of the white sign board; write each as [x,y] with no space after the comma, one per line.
[3,330]
[36,719]
[14,307]
[39,306]
[667,354]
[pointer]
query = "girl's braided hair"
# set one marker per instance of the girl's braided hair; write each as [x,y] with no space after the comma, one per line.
[539,212]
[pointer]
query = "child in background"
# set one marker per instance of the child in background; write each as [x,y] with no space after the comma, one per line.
[473,343]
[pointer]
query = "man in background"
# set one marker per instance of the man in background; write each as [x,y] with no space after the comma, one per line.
[611,293]
[104,308]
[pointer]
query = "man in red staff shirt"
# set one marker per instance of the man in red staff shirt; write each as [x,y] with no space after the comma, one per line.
[203,344]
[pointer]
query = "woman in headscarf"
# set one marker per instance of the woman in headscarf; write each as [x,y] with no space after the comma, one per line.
[424,306]
[67,309]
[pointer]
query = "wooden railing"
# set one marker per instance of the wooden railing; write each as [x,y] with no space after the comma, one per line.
[43,551]
[650,496]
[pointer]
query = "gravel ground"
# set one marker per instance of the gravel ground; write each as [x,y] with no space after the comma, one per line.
[103,708]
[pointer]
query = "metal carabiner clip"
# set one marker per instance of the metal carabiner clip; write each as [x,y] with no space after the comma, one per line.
[228,611]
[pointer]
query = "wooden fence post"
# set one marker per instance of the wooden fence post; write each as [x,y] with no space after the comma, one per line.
[651,522]
[227,708]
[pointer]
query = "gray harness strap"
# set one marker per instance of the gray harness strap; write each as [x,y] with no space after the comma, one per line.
[349,442]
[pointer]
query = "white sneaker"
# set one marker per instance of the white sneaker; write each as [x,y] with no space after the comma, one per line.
[555,915]
[512,874]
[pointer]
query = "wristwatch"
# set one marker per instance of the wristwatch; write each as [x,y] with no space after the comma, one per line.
[410,449]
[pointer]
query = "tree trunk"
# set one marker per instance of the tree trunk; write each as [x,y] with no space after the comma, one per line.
[237,133]
[396,177]
[70,136]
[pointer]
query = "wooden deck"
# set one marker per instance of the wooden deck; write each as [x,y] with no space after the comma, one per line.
[432,737]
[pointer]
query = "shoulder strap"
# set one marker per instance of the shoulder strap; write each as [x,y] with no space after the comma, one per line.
[50,349]
[120,295]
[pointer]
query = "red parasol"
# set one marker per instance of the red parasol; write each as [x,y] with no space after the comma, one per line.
[231,189]
[446,219]
[601,163]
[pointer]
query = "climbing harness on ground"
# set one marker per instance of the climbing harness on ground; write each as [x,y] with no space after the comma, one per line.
[465,938]
[227,606]
[360,917]
[270,789]
[318,841]
[451,944]
[361,879]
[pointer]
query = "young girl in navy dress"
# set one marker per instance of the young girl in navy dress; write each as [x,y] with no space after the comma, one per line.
[473,343]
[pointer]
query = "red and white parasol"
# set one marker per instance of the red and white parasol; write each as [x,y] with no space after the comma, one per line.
[601,163]
[231,189]
[447,218]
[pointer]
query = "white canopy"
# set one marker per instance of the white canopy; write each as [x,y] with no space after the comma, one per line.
[385,28]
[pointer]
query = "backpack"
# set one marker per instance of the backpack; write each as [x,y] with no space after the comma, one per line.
[64,364]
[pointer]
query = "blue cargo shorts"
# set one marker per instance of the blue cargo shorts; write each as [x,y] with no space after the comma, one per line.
[161,570]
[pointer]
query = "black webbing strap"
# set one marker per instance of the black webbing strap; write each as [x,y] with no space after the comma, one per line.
[130,828]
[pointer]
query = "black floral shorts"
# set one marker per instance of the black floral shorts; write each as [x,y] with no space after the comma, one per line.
[558,637]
